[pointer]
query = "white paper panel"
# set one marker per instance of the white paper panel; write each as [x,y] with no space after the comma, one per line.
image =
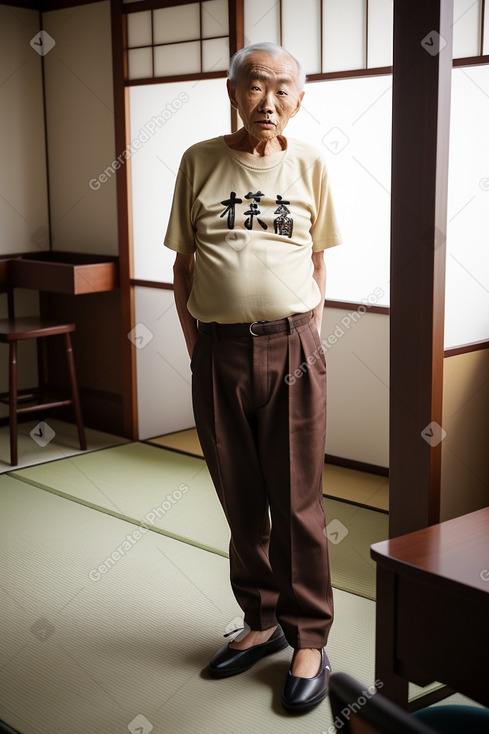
[467,279]
[215,20]
[261,21]
[140,63]
[380,33]
[466,28]
[168,118]
[344,33]
[301,28]
[215,54]
[177,23]
[177,58]
[139,29]
[358,387]
[163,373]
[485,40]
[349,121]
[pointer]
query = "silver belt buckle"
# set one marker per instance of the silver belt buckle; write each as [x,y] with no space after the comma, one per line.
[252,325]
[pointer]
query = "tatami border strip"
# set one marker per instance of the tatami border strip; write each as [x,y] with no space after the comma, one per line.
[15,474]
[117,515]
[354,503]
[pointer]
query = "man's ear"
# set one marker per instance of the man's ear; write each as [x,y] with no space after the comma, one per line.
[299,102]
[232,95]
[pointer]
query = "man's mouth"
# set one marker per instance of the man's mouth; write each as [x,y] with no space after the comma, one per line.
[266,124]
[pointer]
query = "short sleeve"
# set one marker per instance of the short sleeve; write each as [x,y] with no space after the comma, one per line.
[325,231]
[180,234]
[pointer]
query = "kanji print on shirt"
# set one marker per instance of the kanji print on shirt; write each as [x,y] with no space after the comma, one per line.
[283,224]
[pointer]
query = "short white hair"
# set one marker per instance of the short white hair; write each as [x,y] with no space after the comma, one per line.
[237,61]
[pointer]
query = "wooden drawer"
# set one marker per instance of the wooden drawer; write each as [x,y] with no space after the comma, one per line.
[62,272]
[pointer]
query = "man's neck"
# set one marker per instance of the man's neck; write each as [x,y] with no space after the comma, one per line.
[243,141]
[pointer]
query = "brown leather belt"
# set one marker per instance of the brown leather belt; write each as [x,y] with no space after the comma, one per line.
[256,328]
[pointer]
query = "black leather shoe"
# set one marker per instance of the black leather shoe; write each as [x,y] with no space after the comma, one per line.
[228,661]
[302,694]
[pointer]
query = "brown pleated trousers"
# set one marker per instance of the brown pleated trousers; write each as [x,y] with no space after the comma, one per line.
[260,411]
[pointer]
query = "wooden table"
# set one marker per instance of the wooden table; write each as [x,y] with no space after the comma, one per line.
[432,619]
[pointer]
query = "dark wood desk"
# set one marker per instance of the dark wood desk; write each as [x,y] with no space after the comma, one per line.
[433,609]
[55,271]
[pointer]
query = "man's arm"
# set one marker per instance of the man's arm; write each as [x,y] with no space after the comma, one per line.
[183,276]
[319,276]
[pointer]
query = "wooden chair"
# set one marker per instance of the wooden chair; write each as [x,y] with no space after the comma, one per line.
[13,330]
[356,711]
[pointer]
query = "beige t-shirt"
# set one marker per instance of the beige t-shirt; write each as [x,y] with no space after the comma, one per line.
[253,224]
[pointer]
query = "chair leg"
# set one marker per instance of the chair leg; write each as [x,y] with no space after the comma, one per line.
[74,393]
[41,372]
[13,386]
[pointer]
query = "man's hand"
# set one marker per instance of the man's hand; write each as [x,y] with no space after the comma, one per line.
[183,276]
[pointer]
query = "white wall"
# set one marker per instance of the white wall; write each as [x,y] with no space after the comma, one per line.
[163,371]
[23,185]
[465,459]
[80,125]
[357,359]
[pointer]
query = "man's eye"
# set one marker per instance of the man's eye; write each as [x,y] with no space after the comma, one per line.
[255,88]
[282,92]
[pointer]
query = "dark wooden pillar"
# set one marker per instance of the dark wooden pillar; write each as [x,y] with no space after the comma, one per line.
[236,41]
[124,217]
[236,25]
[421,111]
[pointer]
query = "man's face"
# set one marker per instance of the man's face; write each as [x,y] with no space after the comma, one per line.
[266,94]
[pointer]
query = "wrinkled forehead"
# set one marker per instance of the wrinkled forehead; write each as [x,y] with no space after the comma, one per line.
[263,66]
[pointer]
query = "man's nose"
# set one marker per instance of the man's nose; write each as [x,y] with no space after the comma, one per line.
[266,104]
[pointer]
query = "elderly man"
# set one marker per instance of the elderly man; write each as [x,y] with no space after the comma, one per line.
[251,216]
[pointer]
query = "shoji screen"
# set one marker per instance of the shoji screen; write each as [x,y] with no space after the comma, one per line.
[467,18]
[467,279]
[349,121]
[187,38]
[166,119]
[352,35]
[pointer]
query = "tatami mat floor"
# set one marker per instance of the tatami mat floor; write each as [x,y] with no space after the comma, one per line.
[93,644]
[60,440]
[39,442]
[362,488]
[172,492]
